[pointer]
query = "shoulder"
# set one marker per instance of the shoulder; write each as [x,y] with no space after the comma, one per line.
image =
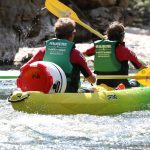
[42,49]
[76,52]
[122,48]
[77,56]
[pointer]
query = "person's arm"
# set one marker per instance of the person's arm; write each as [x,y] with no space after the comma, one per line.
[37,57]
[78,58]
[90,51]
[91,78]
[125,54]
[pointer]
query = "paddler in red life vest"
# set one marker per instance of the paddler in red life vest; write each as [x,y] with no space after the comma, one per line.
[112,57]
[61,51]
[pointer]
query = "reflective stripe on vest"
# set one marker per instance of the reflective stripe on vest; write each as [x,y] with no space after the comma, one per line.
[105,59]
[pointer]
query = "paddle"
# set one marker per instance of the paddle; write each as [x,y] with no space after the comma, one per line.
[60,10]
[143,77]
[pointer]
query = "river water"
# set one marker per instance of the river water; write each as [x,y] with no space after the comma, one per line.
[22,131]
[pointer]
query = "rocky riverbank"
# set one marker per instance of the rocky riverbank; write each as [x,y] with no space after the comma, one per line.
[27,23]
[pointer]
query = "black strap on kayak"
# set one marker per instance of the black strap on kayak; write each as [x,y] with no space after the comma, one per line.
[19,98]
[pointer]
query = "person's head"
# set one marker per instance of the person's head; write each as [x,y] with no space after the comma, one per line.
[115,32]
[65,28]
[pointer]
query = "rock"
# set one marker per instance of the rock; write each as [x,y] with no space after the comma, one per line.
[101,17]
[123,3]
[88,4]
[107,3]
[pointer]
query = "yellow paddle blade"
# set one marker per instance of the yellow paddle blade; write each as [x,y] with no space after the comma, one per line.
[60,10]
[143,77]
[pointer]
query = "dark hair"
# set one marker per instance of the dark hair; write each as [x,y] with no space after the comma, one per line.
[115,32]
[64,27]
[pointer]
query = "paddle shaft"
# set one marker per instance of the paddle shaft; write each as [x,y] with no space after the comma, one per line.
[90,29]
[143,80]
[8,77]
[122,77]
[98,77]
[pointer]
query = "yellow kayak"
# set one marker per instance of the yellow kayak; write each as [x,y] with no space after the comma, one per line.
[50,79]
[100,103]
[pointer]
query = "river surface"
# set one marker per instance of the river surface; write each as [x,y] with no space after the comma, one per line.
[22,131]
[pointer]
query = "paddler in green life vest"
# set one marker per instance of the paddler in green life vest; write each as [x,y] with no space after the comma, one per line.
[61,51]
[112,57]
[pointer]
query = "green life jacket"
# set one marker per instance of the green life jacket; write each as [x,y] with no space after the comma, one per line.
[58,51]
[105,59]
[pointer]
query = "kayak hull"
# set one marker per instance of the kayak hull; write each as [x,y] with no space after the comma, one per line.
[101,103]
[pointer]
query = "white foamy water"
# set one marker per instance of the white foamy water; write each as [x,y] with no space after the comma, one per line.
[22,131]
[138,40]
